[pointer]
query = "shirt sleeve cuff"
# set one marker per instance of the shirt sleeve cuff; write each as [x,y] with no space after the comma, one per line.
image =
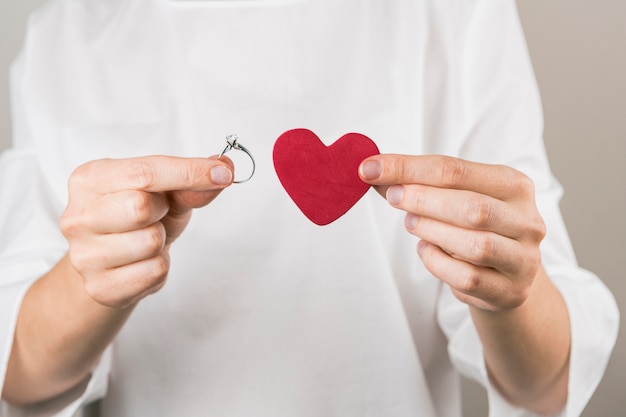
[12,293]
[594,319]
[68,404]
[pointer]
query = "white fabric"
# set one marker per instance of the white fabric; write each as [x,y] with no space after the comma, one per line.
[264,313]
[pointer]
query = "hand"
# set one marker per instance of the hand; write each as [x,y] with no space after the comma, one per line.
[123,215]
[479,225]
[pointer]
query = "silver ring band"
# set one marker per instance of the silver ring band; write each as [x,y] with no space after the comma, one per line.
[231,143]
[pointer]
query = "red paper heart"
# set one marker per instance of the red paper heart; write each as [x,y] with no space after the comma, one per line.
[322,181]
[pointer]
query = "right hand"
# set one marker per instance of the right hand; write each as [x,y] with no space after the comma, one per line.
[122,216]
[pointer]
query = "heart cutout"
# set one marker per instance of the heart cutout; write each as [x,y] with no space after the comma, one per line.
[322,180]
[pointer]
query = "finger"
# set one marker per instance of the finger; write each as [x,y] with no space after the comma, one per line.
[118,212]
[153,174]
[483,287]
[498,181]
[181,201]
[466,209]
[113,250]
[123,286]
[180,205]
[480,248]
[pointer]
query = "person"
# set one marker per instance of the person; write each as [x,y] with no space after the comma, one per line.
[111,290]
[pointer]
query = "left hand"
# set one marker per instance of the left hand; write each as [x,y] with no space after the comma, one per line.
[479,226]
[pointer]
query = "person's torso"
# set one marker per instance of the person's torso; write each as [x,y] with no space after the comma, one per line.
[264,313]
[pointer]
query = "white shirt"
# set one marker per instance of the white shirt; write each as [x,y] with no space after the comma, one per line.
[265,313]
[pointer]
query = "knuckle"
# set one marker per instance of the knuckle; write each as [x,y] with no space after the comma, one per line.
[140,206]
[83,176]
[68,225]
[521,185]
[155,288]
[534,228]
[159,269]
[538,229]
[470,281]
[479,212]
[533,263]
[120,288]
[452,171]
[462,297]
[155,238]
[80,260]
[516,298]
[101,293]
[79,176]
[398,169]
[142,174]
[484,247]
[405,171]
[194,174]
[76,180]
[420,202]
[93,290]
[524,184]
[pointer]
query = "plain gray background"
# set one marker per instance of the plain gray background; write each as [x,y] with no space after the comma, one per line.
[579,53]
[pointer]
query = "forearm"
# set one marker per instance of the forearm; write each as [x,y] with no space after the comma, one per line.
[61,333]
[527,349]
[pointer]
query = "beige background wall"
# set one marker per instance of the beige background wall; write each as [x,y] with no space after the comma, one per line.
[579,52]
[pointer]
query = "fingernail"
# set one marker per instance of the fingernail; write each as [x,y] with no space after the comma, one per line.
[410,221]
[220,175]
[421,246]
[370,170]
[394,194]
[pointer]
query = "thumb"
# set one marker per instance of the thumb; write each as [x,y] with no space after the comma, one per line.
[184,200]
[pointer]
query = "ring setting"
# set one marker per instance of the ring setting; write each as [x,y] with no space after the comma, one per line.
[232,143]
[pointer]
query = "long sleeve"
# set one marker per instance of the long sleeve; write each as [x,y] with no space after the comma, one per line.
[30,244]
[502,112]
